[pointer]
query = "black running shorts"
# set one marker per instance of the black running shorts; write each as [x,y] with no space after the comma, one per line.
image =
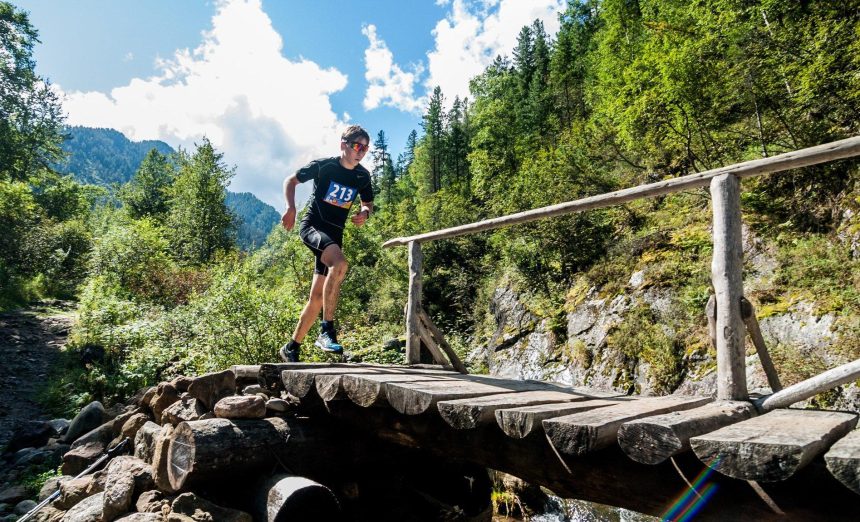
[318,239]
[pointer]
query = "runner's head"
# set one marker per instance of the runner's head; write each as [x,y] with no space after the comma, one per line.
[353,145]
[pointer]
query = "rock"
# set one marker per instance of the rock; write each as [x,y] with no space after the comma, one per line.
[277,405]
[141,472]
[141,517]
[21,508]
[60,426]
[120,420]
[144,441]
[185,409]
[146,399]
[117,497]
[137,398]
[208,415]
[51,486]
[198,509]
[90,417]
[160,461]
[181,383]
[13,495]
[212,387]
[253,389]
[133,424]
[74,490]
[48,514]
[88,510]
[241,407]
[153,501]
[30,434]
[28,456]
[165,395]
[87,449]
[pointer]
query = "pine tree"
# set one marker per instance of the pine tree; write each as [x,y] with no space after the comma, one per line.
[434,126]
[200,225]
[147,194]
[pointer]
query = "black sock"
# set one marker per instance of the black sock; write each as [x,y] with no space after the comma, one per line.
[293,345]
[326,326]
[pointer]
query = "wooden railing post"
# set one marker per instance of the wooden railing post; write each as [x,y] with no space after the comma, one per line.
[727,278]
[413,305]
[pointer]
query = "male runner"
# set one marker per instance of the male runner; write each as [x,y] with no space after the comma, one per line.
[337,182]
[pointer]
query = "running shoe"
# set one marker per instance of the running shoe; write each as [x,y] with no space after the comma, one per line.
[289,355]
[327,342]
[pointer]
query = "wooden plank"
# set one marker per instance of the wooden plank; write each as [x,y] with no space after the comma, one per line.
[843,461]
[519,423]
[472,412]
[368,390]
[774,446]
[301,383]
[330,386]
[580,433]
[413,323]
[846,148]
[652,440]
[727,279]
[418,397]
[813,386]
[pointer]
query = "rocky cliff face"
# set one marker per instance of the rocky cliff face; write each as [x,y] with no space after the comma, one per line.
[594,348]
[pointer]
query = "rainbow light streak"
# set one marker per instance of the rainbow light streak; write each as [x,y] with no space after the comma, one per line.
[688,504]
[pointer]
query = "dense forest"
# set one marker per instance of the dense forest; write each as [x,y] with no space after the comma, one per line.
[627,92]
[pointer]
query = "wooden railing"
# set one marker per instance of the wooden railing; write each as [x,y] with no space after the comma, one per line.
[728,320]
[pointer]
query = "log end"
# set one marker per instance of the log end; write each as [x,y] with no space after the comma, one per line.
[180,456]
[649,444]
[460,417]
[363,393]
[514,424]
[568,439]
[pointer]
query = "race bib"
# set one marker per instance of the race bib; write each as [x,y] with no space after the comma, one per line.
[339,195]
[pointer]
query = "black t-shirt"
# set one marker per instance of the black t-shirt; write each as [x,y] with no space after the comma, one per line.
[335,188]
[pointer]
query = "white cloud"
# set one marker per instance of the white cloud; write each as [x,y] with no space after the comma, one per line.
[269,115]
[467,40]
[389,84]
[129,56]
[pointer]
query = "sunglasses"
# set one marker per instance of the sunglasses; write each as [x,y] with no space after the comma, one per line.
[356,146]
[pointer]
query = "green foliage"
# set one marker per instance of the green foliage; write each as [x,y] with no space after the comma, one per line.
[199,224]
[641,337]
[148,192]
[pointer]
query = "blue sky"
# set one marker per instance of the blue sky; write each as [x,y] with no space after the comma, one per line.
[270,83]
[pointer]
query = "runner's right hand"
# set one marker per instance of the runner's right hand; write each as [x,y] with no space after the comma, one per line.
[288,220]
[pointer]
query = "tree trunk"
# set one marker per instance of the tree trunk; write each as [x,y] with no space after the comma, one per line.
[290,497]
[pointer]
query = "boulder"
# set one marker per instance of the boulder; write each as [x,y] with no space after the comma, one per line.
[88,510]
[141,517]
[23,507]
[60,426]
[30,434]
[187,408]
[87,449]
[90,417]
[253,389]
[212,387]
[120,420]
[133,424]
[241,407]
[147,396]
[51,486]
[277,405]
[165,395]
[48,514]
[181,383]
[28,456]
[200,509]
[144,441]
[118,493]
[153,501]
[141,472]
[13,495]
[75,490]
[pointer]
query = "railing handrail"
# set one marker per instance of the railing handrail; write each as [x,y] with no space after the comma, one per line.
[826,152]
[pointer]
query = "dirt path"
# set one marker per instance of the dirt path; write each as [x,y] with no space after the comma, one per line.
[30,342]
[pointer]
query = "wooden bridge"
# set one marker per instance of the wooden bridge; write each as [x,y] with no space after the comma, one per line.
[643,453]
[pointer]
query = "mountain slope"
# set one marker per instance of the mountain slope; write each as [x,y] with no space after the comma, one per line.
[105,157]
